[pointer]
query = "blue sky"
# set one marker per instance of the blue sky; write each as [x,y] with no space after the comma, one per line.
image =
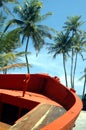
[44,63]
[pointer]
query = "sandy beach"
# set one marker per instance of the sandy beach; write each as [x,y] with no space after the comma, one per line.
[81,121]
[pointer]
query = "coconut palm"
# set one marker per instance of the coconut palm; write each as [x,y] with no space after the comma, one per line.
[73,24]
[61,46]
[10,60]
[84,87]
[28,24]
[9,41]
[72,27]
[2,19]
[79,48]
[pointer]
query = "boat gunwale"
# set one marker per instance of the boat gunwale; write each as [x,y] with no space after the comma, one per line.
[66,121]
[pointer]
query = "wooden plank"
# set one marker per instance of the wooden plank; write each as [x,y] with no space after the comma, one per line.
[42,115]
[4,126]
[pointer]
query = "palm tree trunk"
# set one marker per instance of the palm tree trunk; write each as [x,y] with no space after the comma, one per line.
[84,87]
[5,71]
[26,57]
[74,69]
[72,62]
[65,70]
[71,73]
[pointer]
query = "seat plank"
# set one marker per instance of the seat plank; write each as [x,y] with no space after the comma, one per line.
[4,126]
[40,116]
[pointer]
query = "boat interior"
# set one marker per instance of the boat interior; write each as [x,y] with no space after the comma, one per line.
[36,102]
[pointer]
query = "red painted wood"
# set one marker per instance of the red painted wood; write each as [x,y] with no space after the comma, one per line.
[48,86]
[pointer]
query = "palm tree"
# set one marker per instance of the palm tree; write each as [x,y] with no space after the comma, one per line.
[84,87]
[9,41]
[72,26]
[2,19]
[79,48]
[61,46]
[10,60]
[28,24]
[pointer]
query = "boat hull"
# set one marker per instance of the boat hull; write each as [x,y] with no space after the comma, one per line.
[32,90]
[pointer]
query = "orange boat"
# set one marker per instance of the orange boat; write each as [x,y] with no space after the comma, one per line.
[36,102]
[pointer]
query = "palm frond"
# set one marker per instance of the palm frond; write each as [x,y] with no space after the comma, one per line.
[84,75]
[20,54]
[46,28]
[44,17]
[18,65]
[13,21]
